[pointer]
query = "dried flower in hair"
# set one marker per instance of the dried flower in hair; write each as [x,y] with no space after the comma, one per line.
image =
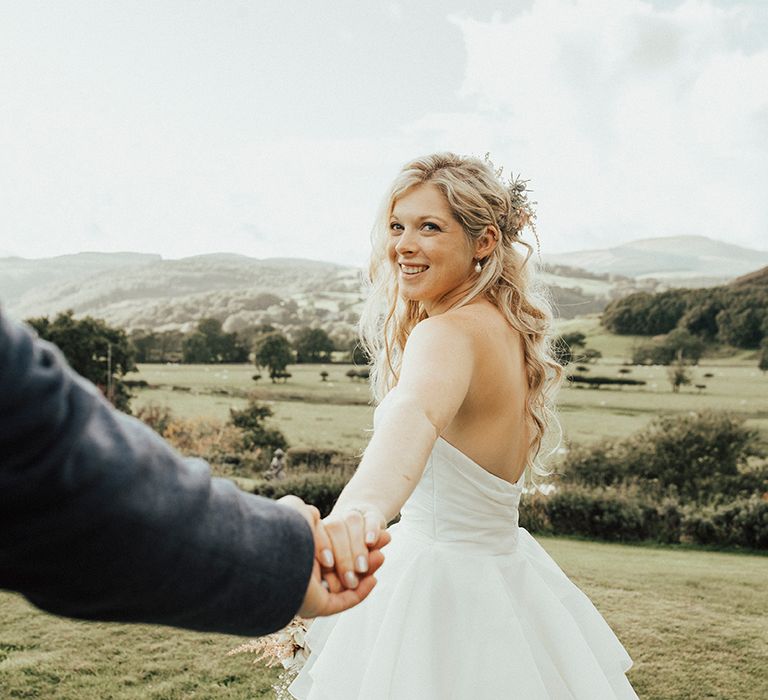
[521,210]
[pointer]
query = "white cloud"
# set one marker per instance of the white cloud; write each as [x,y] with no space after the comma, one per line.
[129,133]
[631,120]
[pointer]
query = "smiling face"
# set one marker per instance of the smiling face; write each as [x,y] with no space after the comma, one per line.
[431,254]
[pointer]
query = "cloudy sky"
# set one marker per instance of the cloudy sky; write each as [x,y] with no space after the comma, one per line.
[271,128]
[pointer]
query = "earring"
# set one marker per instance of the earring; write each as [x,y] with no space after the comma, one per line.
[478,267]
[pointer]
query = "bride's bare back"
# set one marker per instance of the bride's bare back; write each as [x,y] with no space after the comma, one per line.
[490,426]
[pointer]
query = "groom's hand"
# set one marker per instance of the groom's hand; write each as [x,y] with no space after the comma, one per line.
[325,594]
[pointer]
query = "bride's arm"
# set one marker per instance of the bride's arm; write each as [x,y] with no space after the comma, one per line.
[435,375]
[434,379]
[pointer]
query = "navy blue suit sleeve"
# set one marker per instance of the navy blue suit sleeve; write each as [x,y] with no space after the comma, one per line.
[100,519]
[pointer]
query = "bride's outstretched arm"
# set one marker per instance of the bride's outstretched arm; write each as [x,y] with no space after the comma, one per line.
[434,379]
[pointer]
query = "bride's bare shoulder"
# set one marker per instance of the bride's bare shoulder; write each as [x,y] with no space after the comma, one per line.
[476,319]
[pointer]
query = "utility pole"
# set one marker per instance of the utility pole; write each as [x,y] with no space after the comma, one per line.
[109,373]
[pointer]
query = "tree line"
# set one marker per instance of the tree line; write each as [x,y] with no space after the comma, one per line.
[104,354]
[692,319]
[735,316]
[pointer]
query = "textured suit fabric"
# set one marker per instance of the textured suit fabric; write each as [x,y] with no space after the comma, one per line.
[100,519]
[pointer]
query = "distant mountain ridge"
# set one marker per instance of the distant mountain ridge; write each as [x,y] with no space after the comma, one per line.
[132,290]
[136,290]
[681,257]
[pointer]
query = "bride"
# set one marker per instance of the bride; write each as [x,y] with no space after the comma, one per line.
[468,605]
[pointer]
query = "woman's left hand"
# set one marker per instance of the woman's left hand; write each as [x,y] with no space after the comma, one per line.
[345,538]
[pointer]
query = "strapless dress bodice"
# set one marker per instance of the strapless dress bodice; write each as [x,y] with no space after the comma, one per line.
[458,503]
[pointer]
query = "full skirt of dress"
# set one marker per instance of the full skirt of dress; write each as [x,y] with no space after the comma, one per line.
[445,624]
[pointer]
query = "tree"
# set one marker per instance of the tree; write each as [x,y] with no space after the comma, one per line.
[143,342]
[589,355]
[679,343]
[250,420]
[273,351]
[209,344]
[99,352]
[575,339]
[565,348]
[741,325]
[313,345]
[646,314]
[678,375]
[762,361]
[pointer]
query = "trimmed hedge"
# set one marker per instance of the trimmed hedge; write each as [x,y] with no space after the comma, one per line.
[623,515]
[320,490]
[605,513]
[741,523]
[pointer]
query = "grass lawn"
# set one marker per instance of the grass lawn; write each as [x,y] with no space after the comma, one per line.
[336,413]
[692,620]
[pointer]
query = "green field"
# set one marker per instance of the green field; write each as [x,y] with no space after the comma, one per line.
[693,622]
[335,413]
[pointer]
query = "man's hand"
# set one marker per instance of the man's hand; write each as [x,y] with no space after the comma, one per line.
[325,593]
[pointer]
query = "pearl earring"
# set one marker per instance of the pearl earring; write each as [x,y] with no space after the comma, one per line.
[478,267]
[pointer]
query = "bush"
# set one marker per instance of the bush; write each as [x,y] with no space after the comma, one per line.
[312,458]
[701,456]
[691,452]
[742,523]
[156,416]
[606,514]
[534,515]
[596,465]
[630,515]
[250,420]
[320,490]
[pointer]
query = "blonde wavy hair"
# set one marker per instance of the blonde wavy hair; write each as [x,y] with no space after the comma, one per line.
[478,198]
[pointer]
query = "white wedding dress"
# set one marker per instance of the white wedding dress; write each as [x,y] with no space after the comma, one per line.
[468,606]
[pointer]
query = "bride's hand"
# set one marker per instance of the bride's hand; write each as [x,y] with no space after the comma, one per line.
[345,538]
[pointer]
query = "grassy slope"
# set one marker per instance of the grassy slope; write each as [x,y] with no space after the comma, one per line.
[693,622]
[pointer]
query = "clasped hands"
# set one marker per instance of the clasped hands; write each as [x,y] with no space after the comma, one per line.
[348,547]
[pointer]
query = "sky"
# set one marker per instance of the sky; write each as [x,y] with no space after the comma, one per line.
[272,129]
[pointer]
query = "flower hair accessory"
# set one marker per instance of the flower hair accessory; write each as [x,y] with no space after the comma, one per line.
[521,212]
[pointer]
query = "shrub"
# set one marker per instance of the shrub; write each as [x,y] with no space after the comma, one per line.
[596,465]
[156,416]
[312,458]
[743,523]
[534,515]
[605,513]
[688,450]
[250,420]
[320,490]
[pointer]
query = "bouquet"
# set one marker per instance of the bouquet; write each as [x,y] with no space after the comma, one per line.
[285,647]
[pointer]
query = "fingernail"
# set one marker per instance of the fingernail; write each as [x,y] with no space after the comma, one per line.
[361,564]
[350,579]
[325,585]
[370,537]
[327,556]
